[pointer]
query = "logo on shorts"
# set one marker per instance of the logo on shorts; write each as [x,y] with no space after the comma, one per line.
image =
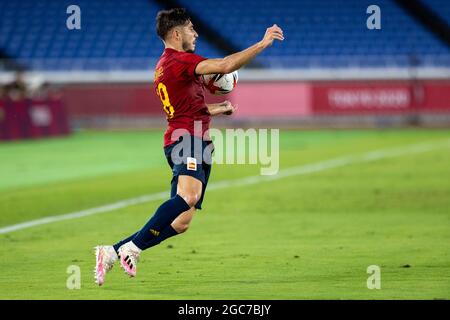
[191,163]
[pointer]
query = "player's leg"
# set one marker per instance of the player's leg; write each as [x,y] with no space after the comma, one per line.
[106,256]
[182,222]
[168,232]
[177,223]
[190,183]
[178,226]
[189,190]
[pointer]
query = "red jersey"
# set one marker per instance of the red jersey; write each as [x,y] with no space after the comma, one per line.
[181,92]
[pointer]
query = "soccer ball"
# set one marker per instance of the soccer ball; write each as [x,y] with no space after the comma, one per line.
[220,84]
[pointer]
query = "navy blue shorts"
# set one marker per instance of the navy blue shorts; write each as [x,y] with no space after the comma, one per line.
[190,156]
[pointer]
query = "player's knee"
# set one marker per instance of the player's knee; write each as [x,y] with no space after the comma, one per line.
[191,198]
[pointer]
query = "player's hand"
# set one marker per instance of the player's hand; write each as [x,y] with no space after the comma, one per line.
[229,109]
[272,33]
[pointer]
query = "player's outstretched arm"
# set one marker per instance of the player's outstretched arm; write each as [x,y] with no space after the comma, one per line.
[237,60]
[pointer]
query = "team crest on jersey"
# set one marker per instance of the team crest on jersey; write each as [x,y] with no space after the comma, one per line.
[158,73]
[192,164]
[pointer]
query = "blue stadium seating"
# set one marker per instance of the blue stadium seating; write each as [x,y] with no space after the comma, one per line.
[439,7]
[114,34]
[121,34]
[326,33]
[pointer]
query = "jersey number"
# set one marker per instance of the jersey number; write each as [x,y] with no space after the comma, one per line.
[164,96]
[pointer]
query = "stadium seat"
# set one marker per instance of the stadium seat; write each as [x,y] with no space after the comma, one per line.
[35,33]
[324,33]
[326,30]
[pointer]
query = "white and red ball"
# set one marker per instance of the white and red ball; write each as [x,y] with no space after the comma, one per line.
[220,84]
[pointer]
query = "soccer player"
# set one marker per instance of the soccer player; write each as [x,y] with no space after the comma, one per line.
[177,83]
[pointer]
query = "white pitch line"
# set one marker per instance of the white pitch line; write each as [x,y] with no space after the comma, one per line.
[293,171]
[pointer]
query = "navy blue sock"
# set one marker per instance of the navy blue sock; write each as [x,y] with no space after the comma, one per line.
[122,242]
[163,217]
[163,235]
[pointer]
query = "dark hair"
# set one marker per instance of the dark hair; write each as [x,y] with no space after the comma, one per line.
[167,19]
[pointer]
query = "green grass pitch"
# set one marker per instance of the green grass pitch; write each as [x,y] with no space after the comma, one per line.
[308,236]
